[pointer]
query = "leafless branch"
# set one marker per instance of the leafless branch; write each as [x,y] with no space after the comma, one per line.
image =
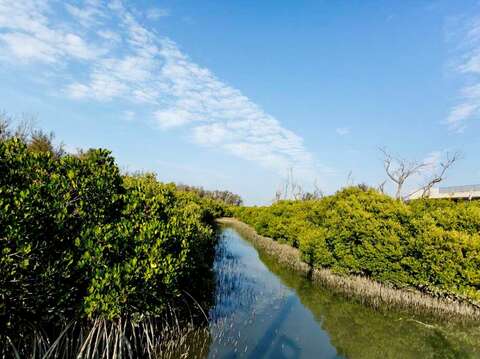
[291,189]
[437,177]
[400,170]
[350,180]
[381,187]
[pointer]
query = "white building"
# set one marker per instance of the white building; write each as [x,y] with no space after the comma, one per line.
[456,192]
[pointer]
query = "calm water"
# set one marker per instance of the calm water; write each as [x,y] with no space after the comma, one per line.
[263,310]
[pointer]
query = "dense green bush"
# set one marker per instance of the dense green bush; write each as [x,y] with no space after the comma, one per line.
[210,208]
[428,244]
[78,240]
[226,197]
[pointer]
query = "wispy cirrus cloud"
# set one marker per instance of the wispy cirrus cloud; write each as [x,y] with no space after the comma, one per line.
[27,34]
[115,57]
[342,131]
[467,63]
[157,13]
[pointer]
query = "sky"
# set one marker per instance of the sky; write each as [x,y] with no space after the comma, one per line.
[235,94]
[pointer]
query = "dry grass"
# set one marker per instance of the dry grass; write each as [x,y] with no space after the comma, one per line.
[365,290]
[163,337]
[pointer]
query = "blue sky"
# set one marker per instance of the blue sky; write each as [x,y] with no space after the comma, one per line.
[231,94]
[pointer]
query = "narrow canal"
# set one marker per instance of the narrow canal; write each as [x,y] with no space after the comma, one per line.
[263,310]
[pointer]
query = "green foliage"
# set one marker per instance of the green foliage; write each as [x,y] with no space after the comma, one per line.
[79,240]
[313,246]
[212,204]
[226,197]
[428,244]
[43,142]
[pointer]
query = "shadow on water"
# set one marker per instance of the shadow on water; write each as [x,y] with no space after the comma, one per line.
[264,310]
[255,315]
[269,338]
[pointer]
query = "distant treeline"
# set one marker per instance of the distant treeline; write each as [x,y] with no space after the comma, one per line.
[430,245]
[227,197]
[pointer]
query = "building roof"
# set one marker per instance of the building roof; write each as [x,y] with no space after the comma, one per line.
[454,192]
[467,188]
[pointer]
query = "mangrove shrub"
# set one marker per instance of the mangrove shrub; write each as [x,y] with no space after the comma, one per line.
[78,240]
[431,245]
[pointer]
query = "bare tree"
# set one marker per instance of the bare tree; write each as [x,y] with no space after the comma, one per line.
[23,130]
[278,195]
[400,170]
[350,179]
[291,189]
[26,126]
[317,191]
[296,189]
[381,187]
[35,139]
[439,176]
[4,126]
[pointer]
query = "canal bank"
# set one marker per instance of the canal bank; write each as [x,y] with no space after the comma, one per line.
[264,309]
[362,289]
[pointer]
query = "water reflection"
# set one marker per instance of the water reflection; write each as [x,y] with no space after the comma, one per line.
[359,332]
[255,315]
[264,310]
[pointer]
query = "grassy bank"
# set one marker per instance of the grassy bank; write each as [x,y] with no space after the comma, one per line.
[390,332]
[363,289]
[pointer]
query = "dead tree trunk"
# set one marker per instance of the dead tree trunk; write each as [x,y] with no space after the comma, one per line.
[400,170]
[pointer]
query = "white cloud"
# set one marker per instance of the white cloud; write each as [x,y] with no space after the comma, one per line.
[28,48]
[138,66]
[102,87]
[212,134]
[343,131]
[156,13]
[78,91]
[468,104]
[109,35]
[26,34]
[174,117]
[462,112]
[74,46]
[88,15]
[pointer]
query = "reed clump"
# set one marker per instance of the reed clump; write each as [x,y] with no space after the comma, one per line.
[361,288]
[149,338]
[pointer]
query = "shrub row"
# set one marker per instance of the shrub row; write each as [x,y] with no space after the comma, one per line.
[432,245]
[79,240]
